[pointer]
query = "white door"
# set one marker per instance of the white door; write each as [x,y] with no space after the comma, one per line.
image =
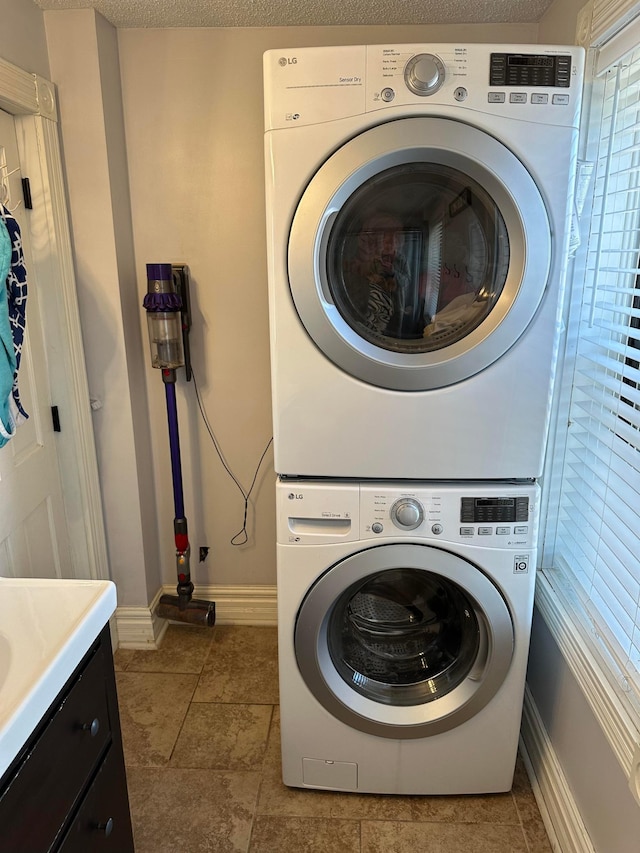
[34,540]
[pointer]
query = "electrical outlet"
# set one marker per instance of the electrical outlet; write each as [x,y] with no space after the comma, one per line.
[204,551]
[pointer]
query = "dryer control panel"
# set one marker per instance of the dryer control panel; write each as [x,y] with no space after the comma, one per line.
[315,85]
[501,515]
[530,69]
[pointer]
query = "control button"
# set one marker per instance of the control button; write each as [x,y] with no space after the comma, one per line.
[539,98]
[496,97]
[436,528]
[377,527]
[520,530]
[560,99]
[522,509]
[503,531]
[407,513]
[518,98]
[424,74]
[467,531]
[485,531]
[460,94]
[387,94]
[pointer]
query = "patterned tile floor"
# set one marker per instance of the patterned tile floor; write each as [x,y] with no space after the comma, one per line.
[202,748]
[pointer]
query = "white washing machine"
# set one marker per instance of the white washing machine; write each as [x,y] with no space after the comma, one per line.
[418,212]
[404,614]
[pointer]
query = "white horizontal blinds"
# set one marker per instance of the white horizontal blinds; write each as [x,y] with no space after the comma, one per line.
[609,16]
[598,540]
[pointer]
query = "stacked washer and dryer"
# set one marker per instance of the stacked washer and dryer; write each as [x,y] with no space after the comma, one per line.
[418,214]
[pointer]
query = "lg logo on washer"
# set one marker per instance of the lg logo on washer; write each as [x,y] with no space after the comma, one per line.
[284,61]
[294,497]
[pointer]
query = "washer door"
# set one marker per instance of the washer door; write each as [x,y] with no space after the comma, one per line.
[404,641]
[419,253]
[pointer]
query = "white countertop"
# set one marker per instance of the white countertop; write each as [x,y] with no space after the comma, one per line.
[46,628]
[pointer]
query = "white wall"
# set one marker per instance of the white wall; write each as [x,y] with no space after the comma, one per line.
[194,125]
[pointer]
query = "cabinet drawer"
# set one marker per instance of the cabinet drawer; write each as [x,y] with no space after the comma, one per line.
[49,780]
[103,822]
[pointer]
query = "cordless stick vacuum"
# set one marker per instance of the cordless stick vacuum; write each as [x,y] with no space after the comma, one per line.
[168,318]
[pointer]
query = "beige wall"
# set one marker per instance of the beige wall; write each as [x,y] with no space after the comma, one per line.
[558,24]
[194,124]
[84,64]
[193,121]
[22,36]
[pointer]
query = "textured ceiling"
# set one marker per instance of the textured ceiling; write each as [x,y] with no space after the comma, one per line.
[289,13]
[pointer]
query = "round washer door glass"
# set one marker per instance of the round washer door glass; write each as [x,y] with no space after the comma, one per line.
[404,640]
[419,253]
[404,636]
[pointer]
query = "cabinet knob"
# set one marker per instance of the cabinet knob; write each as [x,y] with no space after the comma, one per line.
[93,727]
[106,828]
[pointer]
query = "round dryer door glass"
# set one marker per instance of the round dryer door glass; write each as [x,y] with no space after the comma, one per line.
[404,637]
[417,257]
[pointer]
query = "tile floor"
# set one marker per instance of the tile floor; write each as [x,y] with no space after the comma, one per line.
[200,729]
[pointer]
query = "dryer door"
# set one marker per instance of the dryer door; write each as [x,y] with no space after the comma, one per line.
[404,640]
[419,253]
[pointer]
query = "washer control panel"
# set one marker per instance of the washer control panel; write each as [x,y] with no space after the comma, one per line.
[499,516]
[495,516]
[407,513]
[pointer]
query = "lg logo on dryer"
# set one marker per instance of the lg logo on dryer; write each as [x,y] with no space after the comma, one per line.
[294,497]
[287,60]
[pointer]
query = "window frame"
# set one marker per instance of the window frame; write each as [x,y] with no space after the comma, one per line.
[584,642]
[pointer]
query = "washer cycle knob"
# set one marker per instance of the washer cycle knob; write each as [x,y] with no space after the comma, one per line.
[407,513]
[424,74]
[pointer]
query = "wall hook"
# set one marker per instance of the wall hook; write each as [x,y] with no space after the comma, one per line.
[4,187]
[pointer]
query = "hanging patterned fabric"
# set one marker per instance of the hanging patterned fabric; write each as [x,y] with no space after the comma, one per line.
[17,301]
[7,352]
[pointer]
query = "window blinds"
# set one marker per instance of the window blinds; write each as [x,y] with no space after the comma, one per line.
[598,528]
[608,17]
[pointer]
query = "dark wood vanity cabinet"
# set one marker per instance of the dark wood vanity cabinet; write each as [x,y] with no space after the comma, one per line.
[66,791]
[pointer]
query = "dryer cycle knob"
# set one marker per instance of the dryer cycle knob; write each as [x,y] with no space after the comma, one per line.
[424,74]
[407,513]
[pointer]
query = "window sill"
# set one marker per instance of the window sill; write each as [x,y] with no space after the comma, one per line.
[611,705]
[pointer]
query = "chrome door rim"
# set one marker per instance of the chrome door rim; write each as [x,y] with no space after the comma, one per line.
[439,141]
[364,714]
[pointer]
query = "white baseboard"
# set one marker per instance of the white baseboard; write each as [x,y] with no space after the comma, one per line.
[239,605]
[563,822]
[140,628]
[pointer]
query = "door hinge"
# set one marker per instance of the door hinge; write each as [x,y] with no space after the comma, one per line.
[55,417]
[26,193]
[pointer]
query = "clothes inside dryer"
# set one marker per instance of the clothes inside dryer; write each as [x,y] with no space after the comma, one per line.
[417,257]
[404,637]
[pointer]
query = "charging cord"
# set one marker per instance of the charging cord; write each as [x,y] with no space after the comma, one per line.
[241,537]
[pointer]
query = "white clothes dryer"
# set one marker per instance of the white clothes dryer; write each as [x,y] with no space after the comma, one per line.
[418,212]
[404,614]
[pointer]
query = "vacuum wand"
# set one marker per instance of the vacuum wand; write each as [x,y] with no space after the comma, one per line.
[166,328]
